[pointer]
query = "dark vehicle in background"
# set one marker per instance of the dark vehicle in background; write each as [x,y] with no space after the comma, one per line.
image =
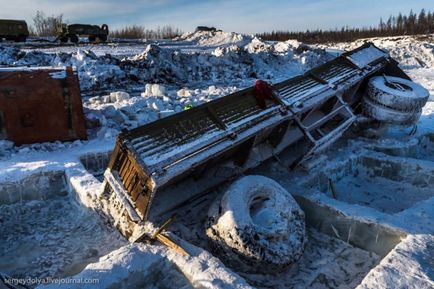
[15,30]
[206,28]
[72,32]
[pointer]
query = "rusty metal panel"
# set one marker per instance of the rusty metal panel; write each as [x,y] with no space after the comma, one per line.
[133,177]
[40,105]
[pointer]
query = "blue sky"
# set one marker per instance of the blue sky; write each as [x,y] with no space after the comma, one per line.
[245,16]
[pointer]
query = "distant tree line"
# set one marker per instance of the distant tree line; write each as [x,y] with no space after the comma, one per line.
[140,32]
[44,25]
[411,24]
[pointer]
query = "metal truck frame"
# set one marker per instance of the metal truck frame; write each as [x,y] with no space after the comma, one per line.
[197,149]
[15,30]
[72,32]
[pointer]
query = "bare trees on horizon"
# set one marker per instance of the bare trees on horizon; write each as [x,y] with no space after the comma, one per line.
[140,32]
[411,24]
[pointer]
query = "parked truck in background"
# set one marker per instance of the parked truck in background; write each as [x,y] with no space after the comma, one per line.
[15,30]
[72,32]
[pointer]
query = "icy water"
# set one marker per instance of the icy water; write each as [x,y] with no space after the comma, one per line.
[51,238]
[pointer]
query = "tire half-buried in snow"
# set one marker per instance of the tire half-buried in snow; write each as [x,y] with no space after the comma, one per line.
[397,93]
[256,226]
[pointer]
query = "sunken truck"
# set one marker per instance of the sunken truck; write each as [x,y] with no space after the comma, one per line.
[168,164]
[15,30]
[72,32]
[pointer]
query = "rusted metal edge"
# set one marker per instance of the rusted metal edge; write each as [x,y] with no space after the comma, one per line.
[113,179]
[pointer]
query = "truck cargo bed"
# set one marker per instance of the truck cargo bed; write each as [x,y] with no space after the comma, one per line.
[312,110]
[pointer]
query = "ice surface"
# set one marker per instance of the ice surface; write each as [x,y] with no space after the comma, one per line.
[51,238]
[387,186]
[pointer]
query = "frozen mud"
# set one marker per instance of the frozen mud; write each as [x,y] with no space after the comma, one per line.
[54,237]
[326,263]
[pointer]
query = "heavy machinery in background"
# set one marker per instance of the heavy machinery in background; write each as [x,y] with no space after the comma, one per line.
[195,150]
[206,28]
[40,104]
[15,30]
[72,32]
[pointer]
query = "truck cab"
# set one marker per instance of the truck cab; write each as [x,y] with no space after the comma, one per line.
[72,32]
[15,30]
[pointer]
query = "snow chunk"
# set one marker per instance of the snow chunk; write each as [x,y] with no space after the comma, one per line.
[154,90]
[409,265]
[215,38]
[141,265]
[119,96]
[184,92]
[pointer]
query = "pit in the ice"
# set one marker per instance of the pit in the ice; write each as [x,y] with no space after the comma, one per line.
[387,185]
[96,163]
[53,236]
[421,148]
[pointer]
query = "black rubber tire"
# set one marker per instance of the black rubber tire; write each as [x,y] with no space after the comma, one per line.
[20,38]
[256,226]
[411,99]
[388,115]
[92,38]
[73,38]
[102,38]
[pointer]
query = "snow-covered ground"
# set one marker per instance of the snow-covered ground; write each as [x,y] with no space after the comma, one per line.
[48,220]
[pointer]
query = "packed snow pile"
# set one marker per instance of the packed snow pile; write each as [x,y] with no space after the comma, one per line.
[415,55]
[107,114]
[225,64]
[410,51]
[94,72]
[215,38]
[239,63]
[146,266]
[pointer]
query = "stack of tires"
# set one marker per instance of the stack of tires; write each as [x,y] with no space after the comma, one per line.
[394,100]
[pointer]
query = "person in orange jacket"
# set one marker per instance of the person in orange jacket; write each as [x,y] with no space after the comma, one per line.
[263,91]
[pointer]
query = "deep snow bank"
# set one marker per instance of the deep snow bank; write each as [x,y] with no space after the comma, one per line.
[244,58]
[215,38]
[141,265]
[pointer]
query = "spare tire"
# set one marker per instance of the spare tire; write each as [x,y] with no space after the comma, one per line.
[397,93]
[257,226]
[388,115]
